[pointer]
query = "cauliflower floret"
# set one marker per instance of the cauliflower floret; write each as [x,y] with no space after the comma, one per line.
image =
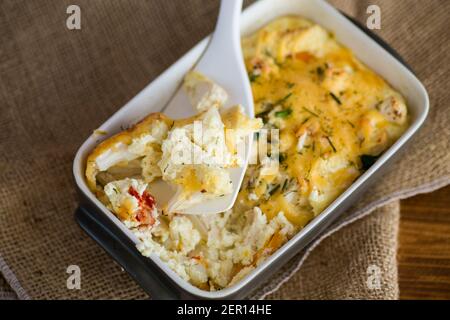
[310,39]
[201,141]
[337,79]
[157,131]
[119,153]
[394,109]
[238,126]
[203,93]
[301,141]
[214,180]
[255,235]
[147,247]
[149,164]
[219,236]
[372,132]
[197,273]
[131,202]
[126,146]
[195,158]
[381,125]
[190,269]
[285,37]
[281,223]
[220,271]
[161,231]
[183,236]
[329,177]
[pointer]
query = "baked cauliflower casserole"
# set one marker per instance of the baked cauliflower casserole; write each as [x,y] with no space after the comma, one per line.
[332,117]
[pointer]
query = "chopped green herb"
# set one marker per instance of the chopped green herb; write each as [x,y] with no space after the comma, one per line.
[361,142]
[262,114]
[331,144]
[351,124]
[290,85]
[274,189]
[368,160]
[282,100]
[335,98]
[268,106]
[320,72]
[268,54]
[253,76]
[284,113]
[283,188]
[282,157]
[313,113]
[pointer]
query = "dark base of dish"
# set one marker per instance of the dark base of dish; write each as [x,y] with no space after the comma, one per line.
[124,252]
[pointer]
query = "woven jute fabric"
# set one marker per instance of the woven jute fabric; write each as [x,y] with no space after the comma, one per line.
[362,264]
[57,85]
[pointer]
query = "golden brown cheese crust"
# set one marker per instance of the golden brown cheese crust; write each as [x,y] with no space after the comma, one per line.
[333,114]
[125,137]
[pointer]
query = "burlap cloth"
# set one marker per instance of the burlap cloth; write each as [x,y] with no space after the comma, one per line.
[57,85]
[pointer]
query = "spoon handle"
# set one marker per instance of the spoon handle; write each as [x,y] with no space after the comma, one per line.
[228,26]
[226,36]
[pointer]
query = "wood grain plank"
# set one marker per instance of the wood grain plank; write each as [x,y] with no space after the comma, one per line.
[424,246]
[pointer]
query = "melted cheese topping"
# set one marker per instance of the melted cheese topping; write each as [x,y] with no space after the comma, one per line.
[333,113]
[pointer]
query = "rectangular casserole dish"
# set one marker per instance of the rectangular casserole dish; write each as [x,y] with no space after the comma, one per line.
[153,274]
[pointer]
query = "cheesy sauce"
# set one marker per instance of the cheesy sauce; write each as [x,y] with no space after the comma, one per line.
[335,117]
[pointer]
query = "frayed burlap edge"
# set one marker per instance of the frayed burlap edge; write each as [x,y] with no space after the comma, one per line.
[13,282]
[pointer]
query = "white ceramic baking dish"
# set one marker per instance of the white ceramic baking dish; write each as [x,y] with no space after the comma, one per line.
[155,276]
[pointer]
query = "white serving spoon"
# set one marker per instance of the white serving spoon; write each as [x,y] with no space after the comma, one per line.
[222,62]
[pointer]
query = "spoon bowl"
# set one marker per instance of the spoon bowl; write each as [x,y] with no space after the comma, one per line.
[223,63]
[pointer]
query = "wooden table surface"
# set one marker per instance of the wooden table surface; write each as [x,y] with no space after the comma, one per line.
[424,246]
